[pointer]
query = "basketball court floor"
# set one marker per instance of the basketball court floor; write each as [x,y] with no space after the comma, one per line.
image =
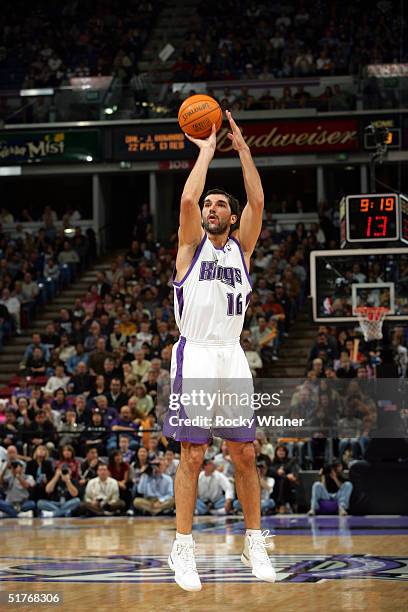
[120,564]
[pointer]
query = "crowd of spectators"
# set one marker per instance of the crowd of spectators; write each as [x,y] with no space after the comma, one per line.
[248,99]
[93,380]
[81,426]
[237,40]
[45,44]
[36,265]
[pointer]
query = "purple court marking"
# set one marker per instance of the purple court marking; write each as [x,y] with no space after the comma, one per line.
[218,568]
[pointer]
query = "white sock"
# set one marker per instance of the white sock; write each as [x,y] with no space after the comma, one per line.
[182,537]
[253,532]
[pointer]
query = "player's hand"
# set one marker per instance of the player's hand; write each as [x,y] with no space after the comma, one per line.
[236,137]
[209,143]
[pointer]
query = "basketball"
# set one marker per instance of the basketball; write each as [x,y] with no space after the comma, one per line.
[197,114]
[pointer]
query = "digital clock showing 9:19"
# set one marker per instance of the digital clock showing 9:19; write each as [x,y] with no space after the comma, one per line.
[372,217]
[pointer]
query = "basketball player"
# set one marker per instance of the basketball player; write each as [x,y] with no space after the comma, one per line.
[212,288]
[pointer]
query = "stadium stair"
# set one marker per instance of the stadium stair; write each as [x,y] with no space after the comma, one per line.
[12,353]
[295,349]
[171,27]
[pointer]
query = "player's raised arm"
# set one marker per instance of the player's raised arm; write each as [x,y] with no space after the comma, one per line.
[251,218]
[190,231]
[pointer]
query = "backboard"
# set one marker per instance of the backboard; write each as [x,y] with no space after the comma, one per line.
[345,279]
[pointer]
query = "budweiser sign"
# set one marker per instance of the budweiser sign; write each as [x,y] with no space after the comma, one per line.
[282,137]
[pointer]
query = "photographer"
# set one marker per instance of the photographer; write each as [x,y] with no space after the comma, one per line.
[332,486]
[215,492]
[61,494]
[156,489]
[16,485]
[102,494]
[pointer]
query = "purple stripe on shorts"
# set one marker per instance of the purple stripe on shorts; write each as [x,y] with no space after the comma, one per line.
[180,300]
[193,261]
[243,259]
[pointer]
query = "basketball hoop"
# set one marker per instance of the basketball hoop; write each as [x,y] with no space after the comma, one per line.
[371,319]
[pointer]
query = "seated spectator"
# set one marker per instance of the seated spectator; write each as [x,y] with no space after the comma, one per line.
[60,402]
[117,338]
[349,432]
[81,381]
[29,290]
[137,467]
[92,336]
[266,446]
[215,493]
[65,350]
[345,368]
[57,381]
[50,339]
[140,365]
[223,461]
[40,468]
[61,494]
[110,371]
[16,486]
[254,360]
[124,448]
[36,364]
[102,494]
[115,397]
[285,472]
[331,485]
[11,431]
[13,308]
[265,339]
[68,255]
[24,389]
[97,357]
[155,493]
[126,327]
[89,467]
[260,455]
[41,431]
[37,342]
[69,430]
[171,463]
[145,403]
[95,433]
[98,387]
[125,425]
[119,470]
[109,414]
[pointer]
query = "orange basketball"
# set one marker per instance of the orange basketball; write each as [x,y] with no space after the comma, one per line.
[197,114]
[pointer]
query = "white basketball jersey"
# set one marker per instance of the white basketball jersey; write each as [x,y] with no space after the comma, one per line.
[210,301]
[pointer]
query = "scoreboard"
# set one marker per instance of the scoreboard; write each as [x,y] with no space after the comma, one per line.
[379,217]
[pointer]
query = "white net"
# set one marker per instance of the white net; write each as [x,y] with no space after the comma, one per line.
[371,319]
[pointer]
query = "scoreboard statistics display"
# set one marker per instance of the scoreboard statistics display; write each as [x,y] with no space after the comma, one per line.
[376,217]
[150,142]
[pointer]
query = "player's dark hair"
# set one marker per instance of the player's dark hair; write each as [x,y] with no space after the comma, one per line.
[233,204]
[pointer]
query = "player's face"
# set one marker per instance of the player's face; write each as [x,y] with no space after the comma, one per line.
[216,214]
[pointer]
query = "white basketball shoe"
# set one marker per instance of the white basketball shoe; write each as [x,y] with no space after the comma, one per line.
[182,561]
[255,556]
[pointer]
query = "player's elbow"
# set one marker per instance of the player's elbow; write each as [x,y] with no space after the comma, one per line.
[187,201]
[258,203]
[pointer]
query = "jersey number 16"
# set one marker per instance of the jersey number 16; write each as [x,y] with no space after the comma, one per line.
[234,306]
